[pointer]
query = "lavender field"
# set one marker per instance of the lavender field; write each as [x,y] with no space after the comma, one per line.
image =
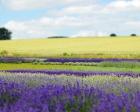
[22,93]
[59,89]
[69,55]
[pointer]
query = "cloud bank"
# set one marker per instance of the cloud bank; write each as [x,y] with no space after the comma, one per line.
[74,17]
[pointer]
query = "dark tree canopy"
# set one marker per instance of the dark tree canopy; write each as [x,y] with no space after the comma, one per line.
[113,35]
[5,34]
[133,35]
[58,37]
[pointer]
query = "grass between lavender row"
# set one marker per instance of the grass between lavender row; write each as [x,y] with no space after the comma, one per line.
[9,66]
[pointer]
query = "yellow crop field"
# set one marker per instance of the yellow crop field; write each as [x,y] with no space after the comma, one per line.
[89,46]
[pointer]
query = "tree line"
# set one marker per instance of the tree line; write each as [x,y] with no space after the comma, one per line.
[5,34]
[115,35]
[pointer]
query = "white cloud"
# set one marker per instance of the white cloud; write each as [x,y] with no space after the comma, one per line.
[133,24]
[27,30]
[43,27]
[80,9]
[122,5]
[24,4]
[34,4]
[63,21]
[89,33]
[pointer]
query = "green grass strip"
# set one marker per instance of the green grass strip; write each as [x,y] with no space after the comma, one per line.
[9,66]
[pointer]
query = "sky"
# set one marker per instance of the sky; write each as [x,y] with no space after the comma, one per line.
[42,18]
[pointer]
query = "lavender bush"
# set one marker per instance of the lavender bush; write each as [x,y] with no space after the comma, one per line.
[76,73]
[107,83]
[69,91]
[64,60]
[96,60]
[58,98]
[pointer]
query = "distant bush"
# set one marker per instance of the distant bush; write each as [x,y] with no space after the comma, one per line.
[58,37]
[133,35]
[65,54]
[113,35]
[35,61]
[4,53]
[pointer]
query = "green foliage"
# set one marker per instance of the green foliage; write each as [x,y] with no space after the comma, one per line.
[65,54]
[113,35]
[4,53]
[11,66]
[36,62]
[133,35]
[6,97]
[120,64]
[5,34]
[57,37]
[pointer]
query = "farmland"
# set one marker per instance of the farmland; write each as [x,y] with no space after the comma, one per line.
[92,47]
[70,75]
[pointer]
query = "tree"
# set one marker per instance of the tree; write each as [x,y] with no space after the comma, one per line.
[5,34]
[133,35]
[113,35]
[58,37]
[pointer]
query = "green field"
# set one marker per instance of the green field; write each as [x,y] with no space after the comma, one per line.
[8,66]
[102,47]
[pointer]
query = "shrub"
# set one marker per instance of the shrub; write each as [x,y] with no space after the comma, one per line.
[65,54]
[58,37]
[113,35]
[4,53]
[35,61]
[133,35]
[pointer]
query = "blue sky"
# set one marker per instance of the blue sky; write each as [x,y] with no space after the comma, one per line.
[43,18]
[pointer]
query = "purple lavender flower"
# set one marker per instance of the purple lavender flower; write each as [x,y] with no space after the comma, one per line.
[77,73]
[58,98]
[64,60]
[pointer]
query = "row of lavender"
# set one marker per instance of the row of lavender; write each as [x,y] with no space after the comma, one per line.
[59,98]
[63,60]
[96,60]
[77,73]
